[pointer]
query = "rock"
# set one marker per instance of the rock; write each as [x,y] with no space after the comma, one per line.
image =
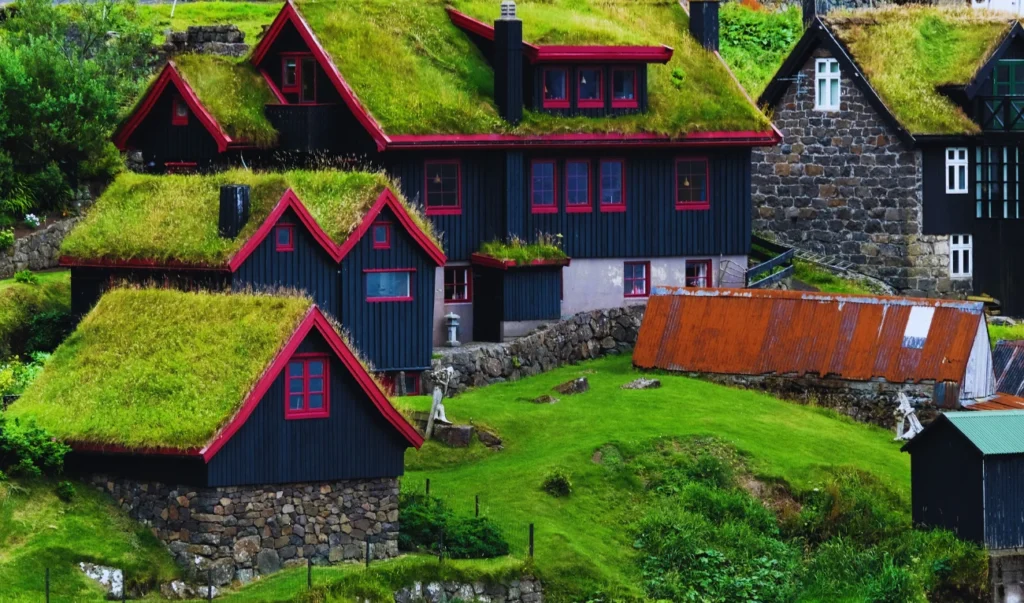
[489,439]
[455,436]
[268,561]
[643,383]
[1001,321]
[545,399]
[177,590]
[245,550]
[576,386]
[111,579]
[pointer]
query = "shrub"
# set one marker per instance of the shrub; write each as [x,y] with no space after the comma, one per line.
[474,538]
[47,329]
[19,303]
[65,491]
[29,450]
[16,375]
[557,483]
[755,42]
[851,504]
[894,585]
[425,519]
[27,277]
[6,239]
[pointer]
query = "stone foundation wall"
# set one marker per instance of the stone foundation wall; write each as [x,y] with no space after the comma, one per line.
[524,590]
[238,533]
[225,40]
[38,251]
[584,336]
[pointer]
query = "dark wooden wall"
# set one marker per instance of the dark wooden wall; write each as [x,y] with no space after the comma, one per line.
[944,213]
[1004,501]
[946,482]
[89,284]
[355,442]
[160,141]
[998,266]
[533,294]
[393,336]
[533,94]
[175,470]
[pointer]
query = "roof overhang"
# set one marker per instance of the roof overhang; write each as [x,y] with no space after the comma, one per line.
[616,140]
[487,261]
[138,264]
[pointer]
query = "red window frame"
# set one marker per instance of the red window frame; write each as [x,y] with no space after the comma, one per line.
[554,103]
[178,120]
[646,280]
[443,210]
[626,103]
[612,207]
[290,245]
[593,103]
[709,278]
[454,284]
[578,208]
[386,243]
[407,298]
[686,204]
[296,86]
[544,208]
[390,382]
[305,412]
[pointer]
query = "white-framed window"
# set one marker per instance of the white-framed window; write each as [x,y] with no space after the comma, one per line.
[826,84]
[956,170]
[961,256]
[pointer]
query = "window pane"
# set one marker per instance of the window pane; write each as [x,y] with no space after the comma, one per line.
[834,66]
[316,385]
[295,386]
[966,261]
[295,402]
[691,182]
[834,98]
[822,101]
[295,369]
[623,85]
[387,284]
[316,401]
[611,182]
[442,185]
[543,184]
[288,75]
[554,85]
[955,262]
[380,234]
[590,84]
[180,108]
[308,92]
[577,182]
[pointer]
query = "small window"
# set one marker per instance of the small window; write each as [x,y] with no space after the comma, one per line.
[692,184]
[443,188]
[613,188]
[590,88]
[918,324]
[556,88]
[698,273]
[624,89]
[289,74]
[636,281]
[308,387]
[411,384]
[826,85]
[542,187]
[298,76]
[577,186]
[388,285]
[458,285]
[179,112]
[284,237]
[956,170]
[381,235]
[961,262]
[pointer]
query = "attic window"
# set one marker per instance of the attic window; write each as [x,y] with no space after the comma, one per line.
[826,85]
[590,88]
[624,89]
[284,238]
[382,235]
[179,112]
[298,76]
[556,88]
[918,324]
[308,382]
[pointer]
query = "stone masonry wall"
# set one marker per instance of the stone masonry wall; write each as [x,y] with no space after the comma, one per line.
[38,251]
[523,590]
[238,533]
[844,185]
[225,40]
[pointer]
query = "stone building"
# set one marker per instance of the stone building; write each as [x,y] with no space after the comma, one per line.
[908,172]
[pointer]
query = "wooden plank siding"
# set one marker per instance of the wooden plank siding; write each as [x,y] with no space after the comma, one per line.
[533,294]
[946,483]
[355,442]
[88,284]
[393,336]
[1004,501]
[945,213]
[160,141]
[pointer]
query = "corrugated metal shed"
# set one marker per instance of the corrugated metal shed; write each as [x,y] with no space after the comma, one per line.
[993,432]
[1008,359]
[859,338]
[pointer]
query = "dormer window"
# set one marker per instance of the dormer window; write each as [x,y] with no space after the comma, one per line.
[556,88]
[179,112]
[590,88]
[298,76]
[624,89]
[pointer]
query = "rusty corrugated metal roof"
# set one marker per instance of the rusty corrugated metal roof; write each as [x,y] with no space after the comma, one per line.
[998,402]
[761,332]
[1008,361]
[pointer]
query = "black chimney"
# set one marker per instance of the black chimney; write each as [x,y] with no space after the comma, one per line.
[704,22]
[234,209]
[810,9]
[508,63]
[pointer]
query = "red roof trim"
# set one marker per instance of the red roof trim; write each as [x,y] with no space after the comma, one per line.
[288,200]
[485,260]
[69,261]
[388,199]
[694,139]
[170,75]
[313,319]
[289,14]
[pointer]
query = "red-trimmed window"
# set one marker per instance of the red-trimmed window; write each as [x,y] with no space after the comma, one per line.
[636,279]
[412,384]
[590,88]
[613,185]
[381,232]
[389,285]
[543,187]
[458,285]
[443,188]
[624,89]
[556,88]
[308,395]
[692,183]
[698,273]
[577,186]
[179,111]
[298,76]
[284,237]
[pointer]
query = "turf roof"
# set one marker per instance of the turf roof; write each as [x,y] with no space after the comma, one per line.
[164,218]
[159,368]
[907,51]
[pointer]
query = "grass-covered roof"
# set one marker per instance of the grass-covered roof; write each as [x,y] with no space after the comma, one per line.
[159,368]
[164,218]
[419,74]
[908,51]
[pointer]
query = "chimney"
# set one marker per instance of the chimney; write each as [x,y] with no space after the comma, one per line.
[810,10]
[234,209]
[508,63]
[704,22]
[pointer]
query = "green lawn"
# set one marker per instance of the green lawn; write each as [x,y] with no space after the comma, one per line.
[827,282]
[582,544]
[997,333]
[48,276]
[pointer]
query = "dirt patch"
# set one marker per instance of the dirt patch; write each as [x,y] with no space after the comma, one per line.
[773,495]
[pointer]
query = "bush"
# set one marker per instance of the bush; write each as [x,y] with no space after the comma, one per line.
[851,504]
[6,239]
[474,538]
[557,483]
[425,519]
[16,375]
[28,450]
[756,41]
[19,303]
[65,491]
[27,277]
[48,329]
[894,585]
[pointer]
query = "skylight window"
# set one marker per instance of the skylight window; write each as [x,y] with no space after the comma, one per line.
[918,325]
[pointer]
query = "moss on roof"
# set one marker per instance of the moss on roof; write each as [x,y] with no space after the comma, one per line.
[233,92]
[153,367]
[419,74]
[163,218]
[907,51]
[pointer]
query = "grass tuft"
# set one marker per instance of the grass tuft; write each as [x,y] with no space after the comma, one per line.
[521,252]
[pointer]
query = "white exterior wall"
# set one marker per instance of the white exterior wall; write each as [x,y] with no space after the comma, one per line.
[980,376]
[465,311]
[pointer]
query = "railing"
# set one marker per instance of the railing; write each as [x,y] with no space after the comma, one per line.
[776,263]
[1004,113]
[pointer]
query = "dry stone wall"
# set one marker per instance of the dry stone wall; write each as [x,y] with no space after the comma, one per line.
[38,251]
[524,590]
[225,40]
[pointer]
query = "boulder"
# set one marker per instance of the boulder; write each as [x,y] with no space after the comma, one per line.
[576,386]
[268,561]
[456,436]
[111,579]
[545,399]
[246,549]
[489,439]
[643,383]
[177,591]
[1002,321]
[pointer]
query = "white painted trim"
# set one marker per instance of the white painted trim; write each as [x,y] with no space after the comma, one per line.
[956,170]
[825,74]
